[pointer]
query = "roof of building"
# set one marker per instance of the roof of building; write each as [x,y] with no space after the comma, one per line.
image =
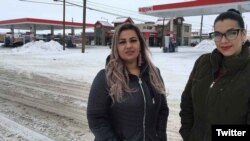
[147,30]
[105,23]
[122,20]
[195,8]
[40,24]
[160,21]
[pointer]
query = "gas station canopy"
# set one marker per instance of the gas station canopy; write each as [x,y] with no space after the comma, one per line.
[195,8]
[40,24]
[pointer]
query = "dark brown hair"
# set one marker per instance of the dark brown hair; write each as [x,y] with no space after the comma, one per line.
[233,15]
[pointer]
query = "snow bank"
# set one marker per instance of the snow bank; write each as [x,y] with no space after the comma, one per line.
[39,47]
[208,45]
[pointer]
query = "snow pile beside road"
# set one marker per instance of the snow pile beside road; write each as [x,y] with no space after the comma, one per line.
[208,45]
[39,47]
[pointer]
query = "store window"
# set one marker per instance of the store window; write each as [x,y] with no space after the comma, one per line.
[186,42]
[186,29]
[149,27]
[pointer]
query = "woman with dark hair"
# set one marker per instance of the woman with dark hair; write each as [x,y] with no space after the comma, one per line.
[218,89]
[127,100]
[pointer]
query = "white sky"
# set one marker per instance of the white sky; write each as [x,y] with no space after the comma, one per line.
[11,9]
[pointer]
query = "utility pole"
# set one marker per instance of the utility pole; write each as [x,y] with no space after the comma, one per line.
[83,25]
[162,35]
[64,7]
[201,28]
[63,24]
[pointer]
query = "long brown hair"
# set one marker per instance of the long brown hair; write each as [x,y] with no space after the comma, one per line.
[116,72]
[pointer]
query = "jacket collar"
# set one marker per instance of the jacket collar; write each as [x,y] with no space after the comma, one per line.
[143,70]
[229,64]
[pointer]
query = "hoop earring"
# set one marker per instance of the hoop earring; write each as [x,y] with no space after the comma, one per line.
[243,42]
[139,60]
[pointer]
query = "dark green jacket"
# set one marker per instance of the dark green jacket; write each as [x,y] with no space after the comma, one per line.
[207,101]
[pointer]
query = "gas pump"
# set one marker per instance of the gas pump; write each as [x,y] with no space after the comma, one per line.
[166,44]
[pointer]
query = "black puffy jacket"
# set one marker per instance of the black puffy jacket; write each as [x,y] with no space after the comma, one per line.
[126,120]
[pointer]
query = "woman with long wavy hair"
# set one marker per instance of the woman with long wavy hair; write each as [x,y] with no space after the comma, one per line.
[127,100]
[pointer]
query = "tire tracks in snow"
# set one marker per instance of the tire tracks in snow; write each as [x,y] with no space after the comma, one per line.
[63,99]
[21,131]
[66,98]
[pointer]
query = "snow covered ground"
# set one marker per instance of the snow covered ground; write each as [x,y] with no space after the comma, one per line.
[49,60]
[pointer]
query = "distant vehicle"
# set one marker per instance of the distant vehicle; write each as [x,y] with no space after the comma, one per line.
[13,41]
[2,38]
[109,44]
[193,44]
[41,37]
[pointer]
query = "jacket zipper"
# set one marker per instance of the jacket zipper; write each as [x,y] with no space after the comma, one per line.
[206,102]
[144,115]
[212,84]
[210,88]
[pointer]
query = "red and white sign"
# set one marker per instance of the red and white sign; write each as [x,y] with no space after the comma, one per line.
[195,8]
[145,9]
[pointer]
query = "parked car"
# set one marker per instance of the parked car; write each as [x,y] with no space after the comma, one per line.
[193,44]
